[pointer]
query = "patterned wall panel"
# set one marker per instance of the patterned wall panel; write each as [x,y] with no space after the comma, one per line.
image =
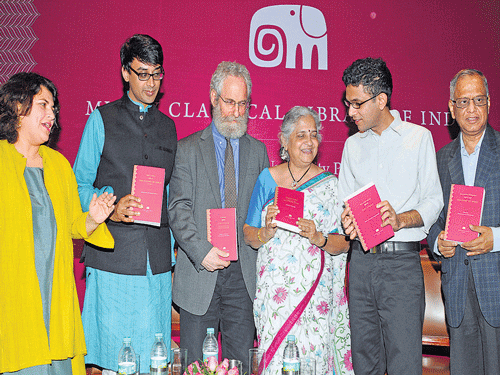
[16,37]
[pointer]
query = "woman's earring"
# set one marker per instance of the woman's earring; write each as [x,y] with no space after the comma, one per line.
[284,154]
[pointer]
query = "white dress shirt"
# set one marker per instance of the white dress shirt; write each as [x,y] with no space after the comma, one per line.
[401,162]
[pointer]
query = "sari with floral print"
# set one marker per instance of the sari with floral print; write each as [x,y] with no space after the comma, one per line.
[288,266]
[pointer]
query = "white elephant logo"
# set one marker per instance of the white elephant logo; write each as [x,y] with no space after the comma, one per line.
[288,26]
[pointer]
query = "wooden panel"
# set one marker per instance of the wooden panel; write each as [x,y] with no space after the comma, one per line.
[434,331]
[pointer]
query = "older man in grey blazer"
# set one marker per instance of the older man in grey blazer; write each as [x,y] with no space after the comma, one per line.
[215,168]
[471,271]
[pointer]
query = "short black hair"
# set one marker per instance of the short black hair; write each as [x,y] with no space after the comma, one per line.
[142,47]
[16,100]
[373,74]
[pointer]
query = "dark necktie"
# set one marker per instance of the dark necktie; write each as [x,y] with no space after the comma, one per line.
[229,177]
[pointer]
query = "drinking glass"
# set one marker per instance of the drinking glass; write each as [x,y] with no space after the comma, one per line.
[137,364]
[307,366]
[178,361]
[236,363]
[256,358]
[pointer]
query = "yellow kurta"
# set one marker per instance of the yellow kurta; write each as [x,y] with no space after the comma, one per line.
[23,337]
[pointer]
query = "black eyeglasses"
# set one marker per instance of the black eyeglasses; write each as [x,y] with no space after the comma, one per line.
[144,76]
[357,105]
[231,103]
[479,101]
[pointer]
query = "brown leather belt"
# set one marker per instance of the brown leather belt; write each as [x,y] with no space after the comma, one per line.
[391,247]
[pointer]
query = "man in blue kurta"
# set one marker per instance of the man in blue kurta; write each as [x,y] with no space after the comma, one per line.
[128,290]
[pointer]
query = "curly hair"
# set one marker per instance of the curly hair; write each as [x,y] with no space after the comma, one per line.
[373,74]
[16,100]
[226,69]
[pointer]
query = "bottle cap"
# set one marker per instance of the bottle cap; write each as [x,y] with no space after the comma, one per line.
[290,338]
[127,340]
[159,335]
[210,330]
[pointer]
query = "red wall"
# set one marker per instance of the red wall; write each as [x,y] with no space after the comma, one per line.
[76,44]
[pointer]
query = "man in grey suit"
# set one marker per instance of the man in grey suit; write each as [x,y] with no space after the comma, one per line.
[211,291]
[471,271]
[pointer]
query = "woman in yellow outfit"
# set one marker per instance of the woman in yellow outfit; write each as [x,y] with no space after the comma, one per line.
[40,326]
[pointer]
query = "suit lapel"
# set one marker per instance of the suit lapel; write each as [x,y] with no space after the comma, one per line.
[207,149]
[244,157]
[487,158]
[455,164]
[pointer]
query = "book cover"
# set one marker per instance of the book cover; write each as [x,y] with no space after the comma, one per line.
[148,183]
[367,218]
[465,207]
[291,205]
[221,231]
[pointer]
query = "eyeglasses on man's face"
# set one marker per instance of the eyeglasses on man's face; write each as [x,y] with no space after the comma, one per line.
[231,103]
[356,105]
[479,101]
[144,76]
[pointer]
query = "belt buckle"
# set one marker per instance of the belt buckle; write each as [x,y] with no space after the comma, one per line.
[381,248]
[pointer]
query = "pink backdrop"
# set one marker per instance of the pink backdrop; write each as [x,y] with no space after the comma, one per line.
[424,42]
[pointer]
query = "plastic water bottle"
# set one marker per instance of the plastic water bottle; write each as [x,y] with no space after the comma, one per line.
[210,345]
[291,361]
[127,358]
[158,356]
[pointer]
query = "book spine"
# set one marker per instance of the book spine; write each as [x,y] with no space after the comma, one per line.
[360,235]
[482,207]
[134,179]
[209,227]
[448,214]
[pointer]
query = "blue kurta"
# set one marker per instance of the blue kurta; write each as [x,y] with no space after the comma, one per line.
[130,305]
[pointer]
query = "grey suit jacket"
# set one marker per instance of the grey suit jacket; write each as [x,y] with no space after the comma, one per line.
[486,267]
[194,187]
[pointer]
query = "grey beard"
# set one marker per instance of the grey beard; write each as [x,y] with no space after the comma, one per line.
[226,127]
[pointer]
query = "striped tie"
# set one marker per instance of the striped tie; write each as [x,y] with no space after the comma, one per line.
[230,194]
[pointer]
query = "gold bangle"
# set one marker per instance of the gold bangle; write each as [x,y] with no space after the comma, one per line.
[258,236]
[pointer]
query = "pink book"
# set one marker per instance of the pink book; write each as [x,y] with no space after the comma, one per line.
[367,218]
[291,205]
[221,231]
[148,183]
[465,207]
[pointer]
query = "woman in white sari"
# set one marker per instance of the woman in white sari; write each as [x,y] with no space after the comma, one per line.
[300,276]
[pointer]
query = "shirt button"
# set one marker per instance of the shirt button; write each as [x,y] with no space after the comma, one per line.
[466,262]
[141,117]
[146,156]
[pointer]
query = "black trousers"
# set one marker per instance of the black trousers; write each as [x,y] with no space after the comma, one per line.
[230,312]
[386,309]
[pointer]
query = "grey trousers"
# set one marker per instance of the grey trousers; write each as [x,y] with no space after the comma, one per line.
[474,345]
[386,307]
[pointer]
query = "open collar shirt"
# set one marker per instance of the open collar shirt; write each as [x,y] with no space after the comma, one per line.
[401,162]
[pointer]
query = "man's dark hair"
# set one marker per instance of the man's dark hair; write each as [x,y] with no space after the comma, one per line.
[16,100]
[373,74]
[143,48]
